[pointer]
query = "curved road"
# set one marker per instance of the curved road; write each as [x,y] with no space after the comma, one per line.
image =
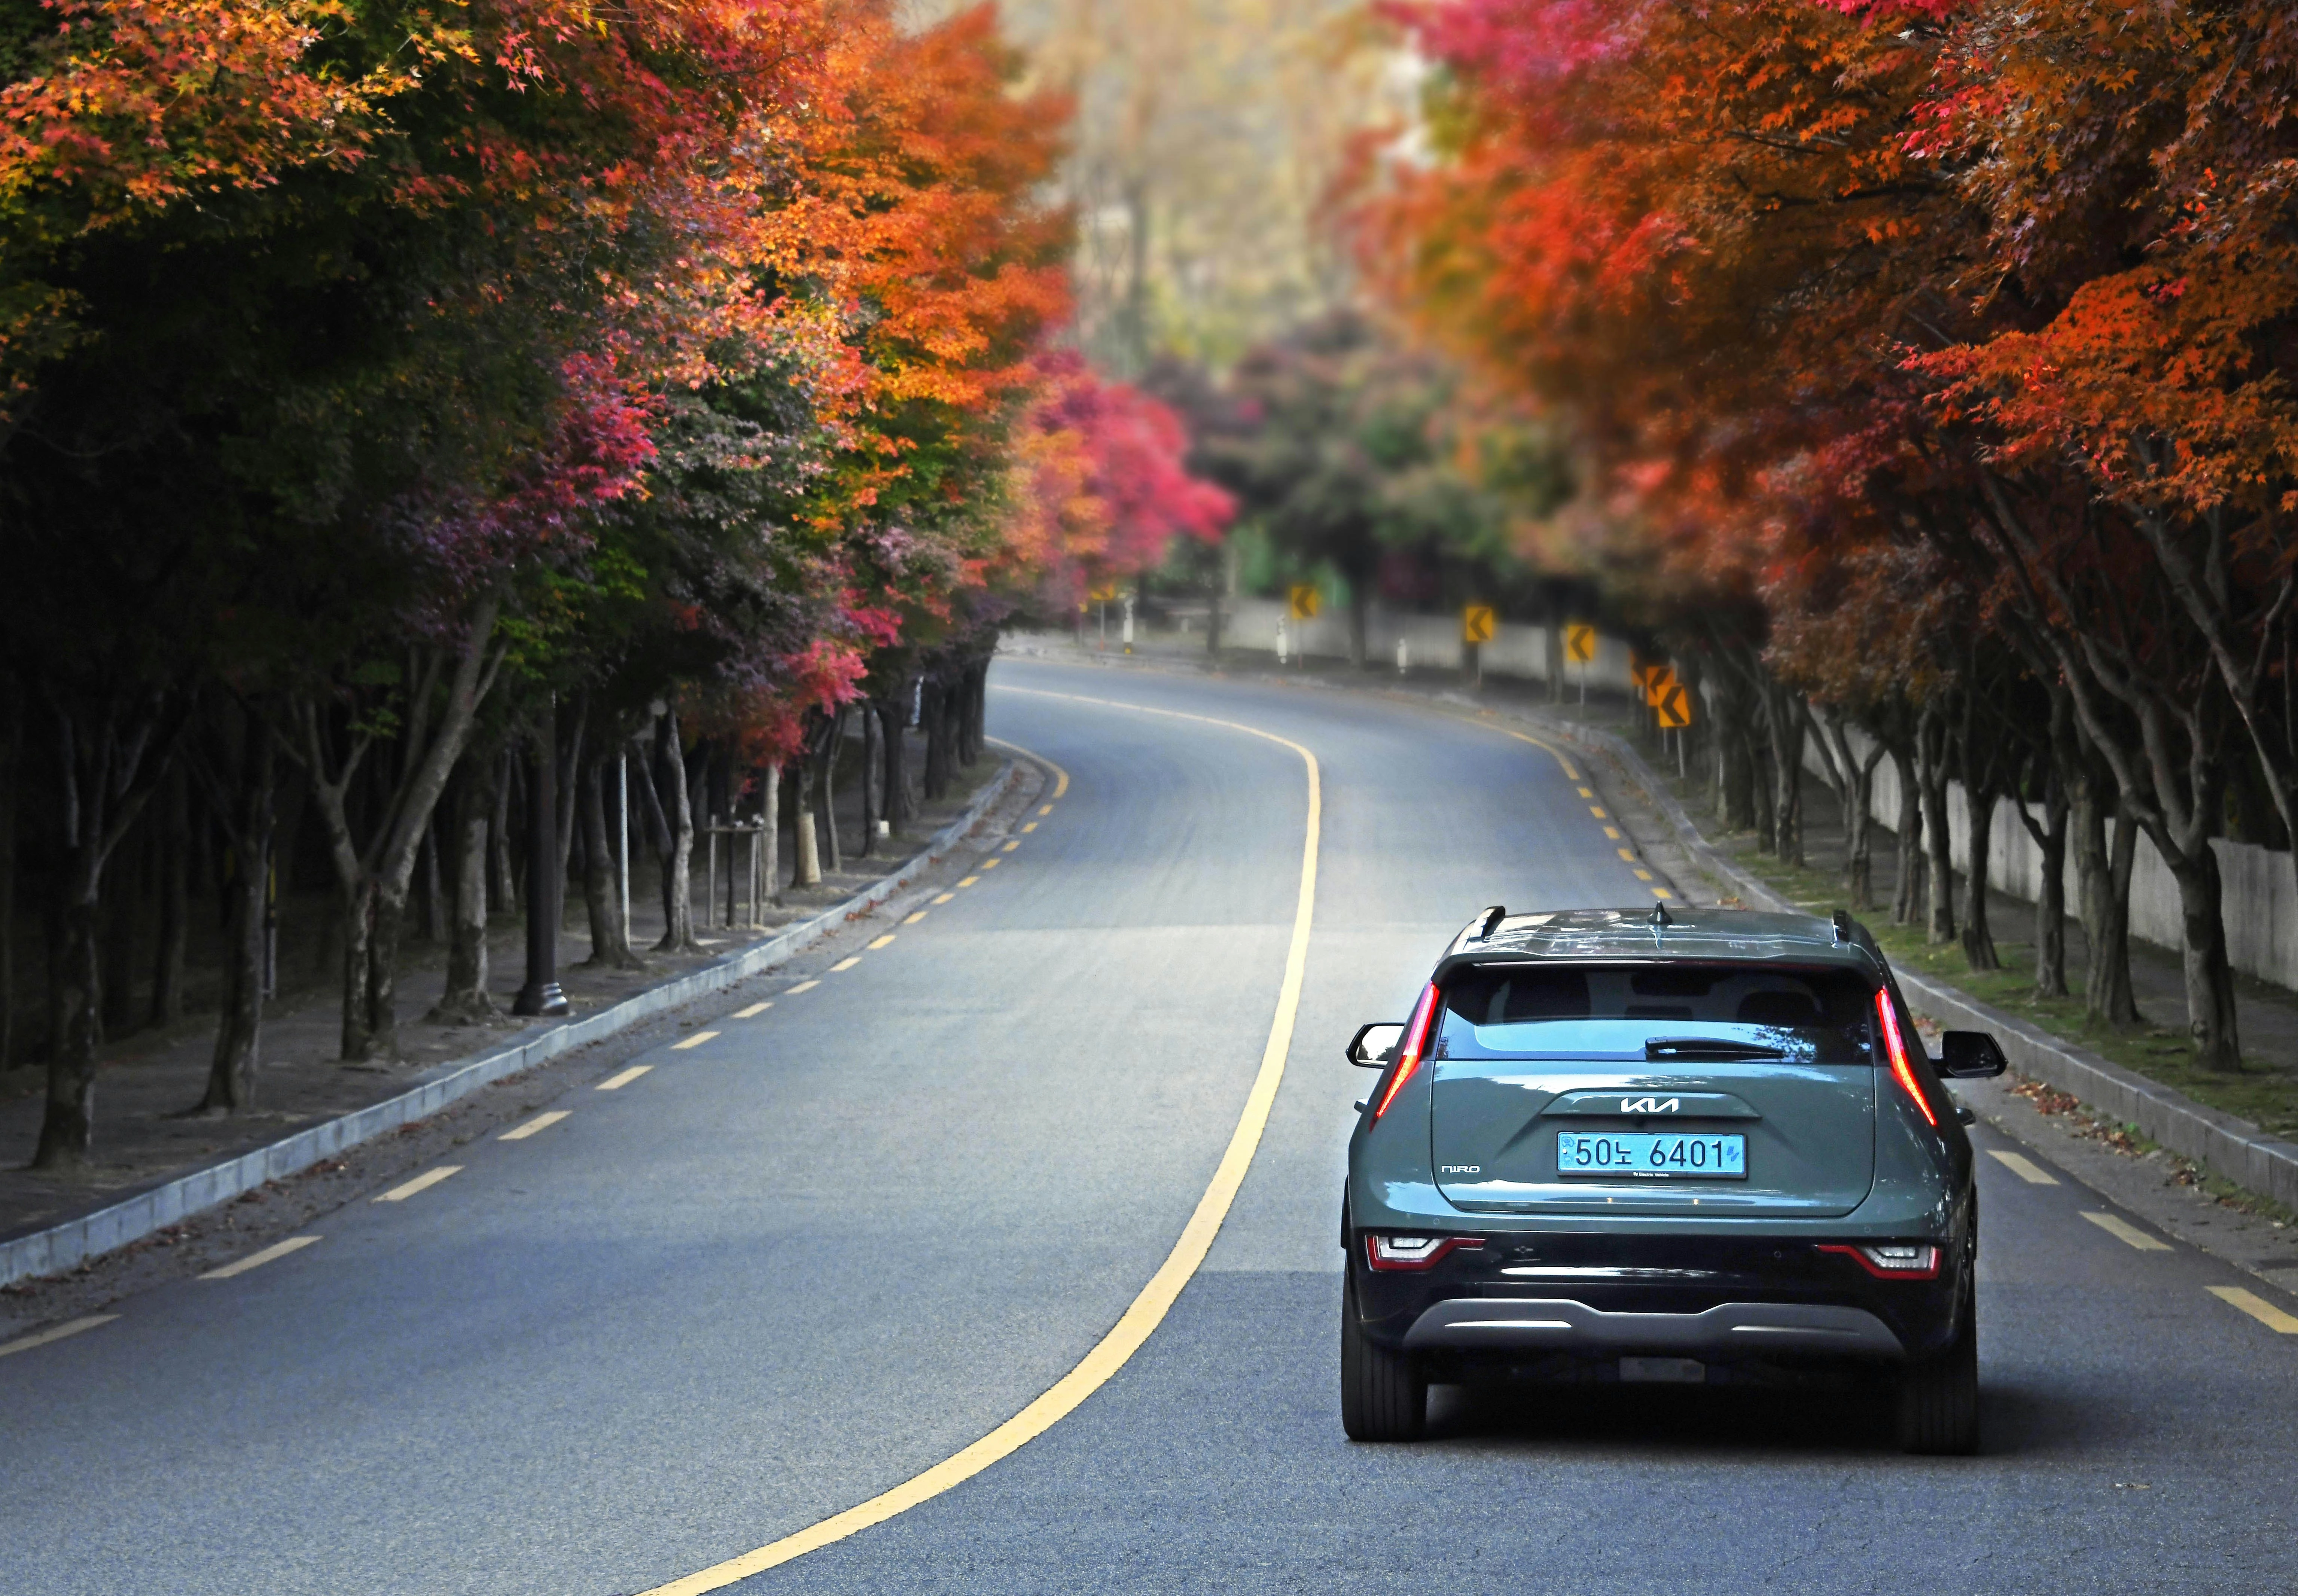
[793,1265]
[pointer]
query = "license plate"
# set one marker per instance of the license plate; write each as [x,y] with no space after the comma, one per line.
[1640,1157]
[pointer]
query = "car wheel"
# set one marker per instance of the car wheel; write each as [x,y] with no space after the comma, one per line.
[1939,1397]
[1383,1396]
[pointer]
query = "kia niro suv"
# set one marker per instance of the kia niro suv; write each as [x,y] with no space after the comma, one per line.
[1706,1147]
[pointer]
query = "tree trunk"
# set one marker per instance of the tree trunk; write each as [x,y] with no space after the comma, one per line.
[12,764]
[2103,872]
[2051,903]
[1859,836]
[1735,762]
[1978,937]
[502,884]
[891,718]
[1784,712]
[610,939]
[119,935]
[869,765]
[231,1064]
[678,819]
[2211,1016]
[1938,841]
[1907,892]
[465,1000]
[807,866]
[936,725]
[1554,641]
[174,837]
[770,834]
[1765,794]
[833,743]
[1357,628]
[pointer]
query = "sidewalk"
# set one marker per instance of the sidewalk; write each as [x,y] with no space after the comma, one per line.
[145,1137]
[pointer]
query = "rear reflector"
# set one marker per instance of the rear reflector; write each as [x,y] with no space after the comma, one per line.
[1408,1052]
[1414,1252]
[1893,1260]
[1895,1049]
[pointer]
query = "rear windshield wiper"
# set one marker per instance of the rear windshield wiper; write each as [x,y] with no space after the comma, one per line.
[1707,1050]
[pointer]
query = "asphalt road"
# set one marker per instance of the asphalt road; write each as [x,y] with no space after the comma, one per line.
[797,1262]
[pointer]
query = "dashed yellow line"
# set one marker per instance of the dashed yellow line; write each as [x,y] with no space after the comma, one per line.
[2265,1312]
[1597,810]
[913,918]
[1587,792]
[846,962]
[1628,854]
[543,1121]
[1010,847]
[969,880]
[986,865]
[696,1040]
[277,1249]
[421,1183]
[1613,832]
[1643,875]
[25,1343]
[1031,826]
[615,1083]
[804,986]
[2025,1168]
[753,1011]
[944,897]
[878,942]
[2123,1231]
[1659,892]
[1044,809]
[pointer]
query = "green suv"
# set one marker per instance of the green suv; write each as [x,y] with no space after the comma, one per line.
[1707,1148]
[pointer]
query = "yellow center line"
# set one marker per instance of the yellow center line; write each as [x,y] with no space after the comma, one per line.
[1550,749]
[2265,1312]
[1613,832]
[944,898]
[878,942]
[1012,845]
[1587,792]
[1061,777]
[2123,1231]
[1149,1309]
[540,1122]
[2025,1168]
[1658,892]
[912,919]
[804,986]
[986,865]
[1044,810]
[1598,812]
[753,1011]
[969,880]
[277,1249]
[421,1183]
[696,1040]
[846,962]
[1031,826]
[1643,875]
[615,1083]
[1628,853]
[25,1343]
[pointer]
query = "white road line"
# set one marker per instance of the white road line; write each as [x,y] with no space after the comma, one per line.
[2265,1312]
[804,986]
[2025,1168]
[41,1338]
[696,1040]
[277,1249]
[878,942]
[421,1183]
[543,1121]
[615,1083]
[753,1011]
[846,963]
[2124,1231]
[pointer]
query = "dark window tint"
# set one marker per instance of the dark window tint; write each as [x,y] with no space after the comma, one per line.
[1832,1002]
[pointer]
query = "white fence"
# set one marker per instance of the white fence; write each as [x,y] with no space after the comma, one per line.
[2259,887]
[1514,650]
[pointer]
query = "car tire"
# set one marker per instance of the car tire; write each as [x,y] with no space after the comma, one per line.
[1939,1396]
[1383,1395]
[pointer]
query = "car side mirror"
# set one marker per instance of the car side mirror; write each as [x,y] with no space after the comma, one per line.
[1971,1055]
[1374,1047]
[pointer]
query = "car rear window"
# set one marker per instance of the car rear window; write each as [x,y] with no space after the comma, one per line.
[1520,1009]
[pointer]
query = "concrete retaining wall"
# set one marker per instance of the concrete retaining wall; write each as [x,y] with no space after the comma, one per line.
[1434,641]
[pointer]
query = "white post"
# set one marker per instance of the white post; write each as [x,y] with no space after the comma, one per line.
[1403,657]
[1128,624]
[1280,640]
[623,833]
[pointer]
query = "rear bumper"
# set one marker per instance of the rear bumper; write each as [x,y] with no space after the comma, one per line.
[1726,1332]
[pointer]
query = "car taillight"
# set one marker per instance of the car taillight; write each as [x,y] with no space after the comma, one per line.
[1414,1252]
[1408,1051]
[1895,1049]
[1893,1260]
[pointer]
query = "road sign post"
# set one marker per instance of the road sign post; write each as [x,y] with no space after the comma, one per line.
[1580,649]
[1476,624]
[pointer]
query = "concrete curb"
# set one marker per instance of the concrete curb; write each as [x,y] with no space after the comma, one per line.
[60,1246]
[2233,1147]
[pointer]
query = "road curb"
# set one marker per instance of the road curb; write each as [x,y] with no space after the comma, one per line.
[62,1246]
[2233,1147]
